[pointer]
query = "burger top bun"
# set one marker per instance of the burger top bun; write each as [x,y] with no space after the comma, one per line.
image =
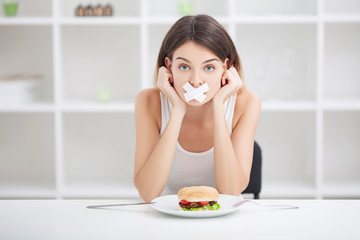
[198,193]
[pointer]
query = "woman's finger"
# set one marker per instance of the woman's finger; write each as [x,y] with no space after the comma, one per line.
[231,75]
[235,76]
[223,79]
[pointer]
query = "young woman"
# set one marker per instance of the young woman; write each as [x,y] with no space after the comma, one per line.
[200,141]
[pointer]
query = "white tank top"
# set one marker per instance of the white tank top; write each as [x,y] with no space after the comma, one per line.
[189,168]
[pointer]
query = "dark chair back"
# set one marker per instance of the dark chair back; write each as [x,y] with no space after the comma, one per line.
[254,186]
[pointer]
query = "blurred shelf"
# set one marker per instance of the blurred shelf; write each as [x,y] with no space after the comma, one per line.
[341,105]
[26,191]
[79,191]
[29,107]
[341,189]
[100,20]
[88,106]
[169,20]
[286,189]
[161,20]
[272,19]
[249,19]
[327,105]
[26,21]
[97,190]
[296,106]
[341,18]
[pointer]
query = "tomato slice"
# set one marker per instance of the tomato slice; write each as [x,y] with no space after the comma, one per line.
[185,202]
[203,203]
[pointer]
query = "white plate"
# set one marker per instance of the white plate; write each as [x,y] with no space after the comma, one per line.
[170,205]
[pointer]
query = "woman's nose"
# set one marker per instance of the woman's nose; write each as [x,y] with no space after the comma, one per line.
[196,80]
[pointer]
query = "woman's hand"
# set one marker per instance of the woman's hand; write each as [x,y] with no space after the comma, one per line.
[165,84]
[230,84]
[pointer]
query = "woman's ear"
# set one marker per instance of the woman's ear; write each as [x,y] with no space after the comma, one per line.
[224,75]
[168,66]
[226,64]
[168,63]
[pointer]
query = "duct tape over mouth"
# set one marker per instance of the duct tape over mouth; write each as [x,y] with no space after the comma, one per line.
[195,93]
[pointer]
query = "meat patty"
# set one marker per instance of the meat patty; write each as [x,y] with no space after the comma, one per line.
[194,204]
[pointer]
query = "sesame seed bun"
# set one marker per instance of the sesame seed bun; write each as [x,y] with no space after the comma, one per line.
[198,193]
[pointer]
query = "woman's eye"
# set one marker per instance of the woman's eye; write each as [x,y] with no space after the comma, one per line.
[209,68]
[184,68]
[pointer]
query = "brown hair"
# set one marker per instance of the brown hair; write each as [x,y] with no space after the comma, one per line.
[205,31]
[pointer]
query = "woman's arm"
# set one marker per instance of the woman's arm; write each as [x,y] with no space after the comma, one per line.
[154,153]
[233,155]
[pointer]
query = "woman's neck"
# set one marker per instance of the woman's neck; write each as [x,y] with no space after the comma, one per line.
[198,114]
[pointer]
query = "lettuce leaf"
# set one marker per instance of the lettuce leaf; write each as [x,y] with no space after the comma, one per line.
[216,206]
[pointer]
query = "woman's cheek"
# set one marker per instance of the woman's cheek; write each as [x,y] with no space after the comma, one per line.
[213,90]
[179,89]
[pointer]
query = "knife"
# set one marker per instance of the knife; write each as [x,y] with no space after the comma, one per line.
[118,205]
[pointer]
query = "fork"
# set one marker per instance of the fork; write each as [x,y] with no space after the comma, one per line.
[261,205]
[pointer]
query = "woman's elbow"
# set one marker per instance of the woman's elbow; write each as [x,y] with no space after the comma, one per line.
[232,192]
[146,195]
[146,198]
[244,183]
[238,189]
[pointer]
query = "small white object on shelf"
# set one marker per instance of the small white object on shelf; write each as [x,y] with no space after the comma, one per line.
[19,88]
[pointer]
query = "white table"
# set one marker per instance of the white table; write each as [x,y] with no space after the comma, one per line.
[70,219]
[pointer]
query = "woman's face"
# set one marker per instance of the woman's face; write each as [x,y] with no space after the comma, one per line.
[196,65]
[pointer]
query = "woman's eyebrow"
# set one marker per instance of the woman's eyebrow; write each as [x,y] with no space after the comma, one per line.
[181,58]
[209,60]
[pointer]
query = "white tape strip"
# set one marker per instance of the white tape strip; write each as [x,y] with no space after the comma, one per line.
[195,93]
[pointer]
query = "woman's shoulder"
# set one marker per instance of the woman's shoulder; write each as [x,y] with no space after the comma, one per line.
[246,101]
[148,103]
[247,98]
[148,96]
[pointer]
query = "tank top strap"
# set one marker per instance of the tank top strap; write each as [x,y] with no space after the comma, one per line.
[229,107]
[165,111]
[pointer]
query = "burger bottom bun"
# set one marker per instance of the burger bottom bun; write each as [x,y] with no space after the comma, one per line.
[198,193]
[200,209]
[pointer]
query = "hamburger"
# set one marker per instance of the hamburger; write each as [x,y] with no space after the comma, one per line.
[198,198]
